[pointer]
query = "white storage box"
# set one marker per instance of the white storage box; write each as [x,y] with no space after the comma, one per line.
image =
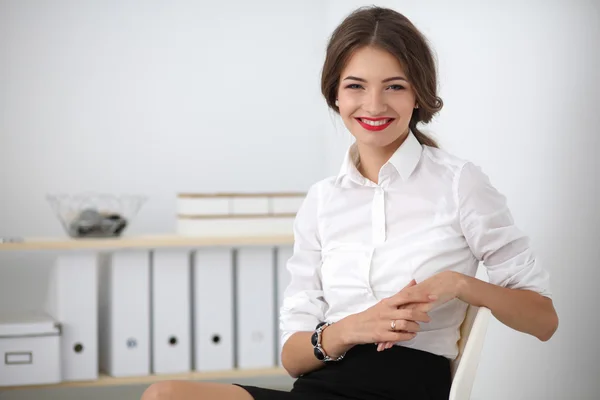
[29,349]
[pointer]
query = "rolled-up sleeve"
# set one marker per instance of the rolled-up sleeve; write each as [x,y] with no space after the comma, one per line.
[303,304]
[493,237]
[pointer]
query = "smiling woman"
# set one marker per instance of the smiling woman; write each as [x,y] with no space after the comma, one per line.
[399,94]
[386,251]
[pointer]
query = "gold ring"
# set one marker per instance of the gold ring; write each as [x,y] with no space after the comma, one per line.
[393,324]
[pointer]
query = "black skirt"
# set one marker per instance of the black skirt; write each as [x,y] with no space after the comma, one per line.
[365,374]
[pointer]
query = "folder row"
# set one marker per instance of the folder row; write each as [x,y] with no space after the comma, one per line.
[165,311]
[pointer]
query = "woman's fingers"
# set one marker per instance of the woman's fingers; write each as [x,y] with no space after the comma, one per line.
[393,337]
[408,314]
[403,325]
[407,296]
[385,345]
[425,307]
[411,283]
[404,330]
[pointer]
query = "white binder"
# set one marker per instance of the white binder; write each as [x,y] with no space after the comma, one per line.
[73,302]
[255,305]
[171,311]
[284,253]
[213,309]
[124,313]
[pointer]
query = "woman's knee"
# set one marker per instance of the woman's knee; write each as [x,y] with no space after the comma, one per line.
[186,390]
[165,390]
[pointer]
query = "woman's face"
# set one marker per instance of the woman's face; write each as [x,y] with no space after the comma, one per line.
[375,99]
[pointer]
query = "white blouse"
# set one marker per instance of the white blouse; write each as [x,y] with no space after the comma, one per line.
[357,242]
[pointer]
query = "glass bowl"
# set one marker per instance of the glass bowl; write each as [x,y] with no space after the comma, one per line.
[95,215]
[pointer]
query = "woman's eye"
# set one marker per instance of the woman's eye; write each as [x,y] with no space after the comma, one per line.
[396,87]
[358,86]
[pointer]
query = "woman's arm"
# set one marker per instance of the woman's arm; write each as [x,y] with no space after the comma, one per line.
[518,292]
[523,310]
[297,356]
[303,303]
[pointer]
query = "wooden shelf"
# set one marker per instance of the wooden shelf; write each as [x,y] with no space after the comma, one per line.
[104,380]
[149,242]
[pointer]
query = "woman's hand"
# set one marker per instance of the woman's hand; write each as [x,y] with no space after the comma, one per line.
[387,321]
[445,285]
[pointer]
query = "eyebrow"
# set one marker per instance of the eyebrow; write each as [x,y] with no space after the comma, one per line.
[393,78]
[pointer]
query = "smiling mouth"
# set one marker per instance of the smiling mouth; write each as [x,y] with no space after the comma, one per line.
[375,124]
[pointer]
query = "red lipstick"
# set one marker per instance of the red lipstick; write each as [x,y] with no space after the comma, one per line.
[374,128]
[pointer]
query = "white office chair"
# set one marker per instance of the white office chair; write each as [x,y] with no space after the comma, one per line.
[470,344]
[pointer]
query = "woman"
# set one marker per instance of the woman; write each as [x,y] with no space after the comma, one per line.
[386,251]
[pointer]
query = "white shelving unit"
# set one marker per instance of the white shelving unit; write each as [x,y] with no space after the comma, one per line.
[64,246]
[142,242]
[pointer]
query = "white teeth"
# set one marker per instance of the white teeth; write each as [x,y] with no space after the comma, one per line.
[375,123]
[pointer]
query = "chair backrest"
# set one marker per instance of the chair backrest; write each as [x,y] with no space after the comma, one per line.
[470,344]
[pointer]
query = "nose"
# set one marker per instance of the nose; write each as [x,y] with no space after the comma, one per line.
[375,103]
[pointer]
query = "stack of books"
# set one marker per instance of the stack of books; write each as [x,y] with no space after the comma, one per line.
[237,214]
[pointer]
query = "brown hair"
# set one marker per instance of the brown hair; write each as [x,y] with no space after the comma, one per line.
[393,32]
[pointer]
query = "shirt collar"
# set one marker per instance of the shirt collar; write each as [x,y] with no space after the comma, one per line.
[404,160]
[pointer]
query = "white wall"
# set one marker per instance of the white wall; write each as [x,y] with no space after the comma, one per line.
[159,97]
[151,97]
[521,83]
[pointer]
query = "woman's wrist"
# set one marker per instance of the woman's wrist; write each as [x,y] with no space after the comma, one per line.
[463,286]
[334,340]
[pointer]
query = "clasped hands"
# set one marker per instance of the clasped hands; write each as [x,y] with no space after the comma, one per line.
[396,318]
